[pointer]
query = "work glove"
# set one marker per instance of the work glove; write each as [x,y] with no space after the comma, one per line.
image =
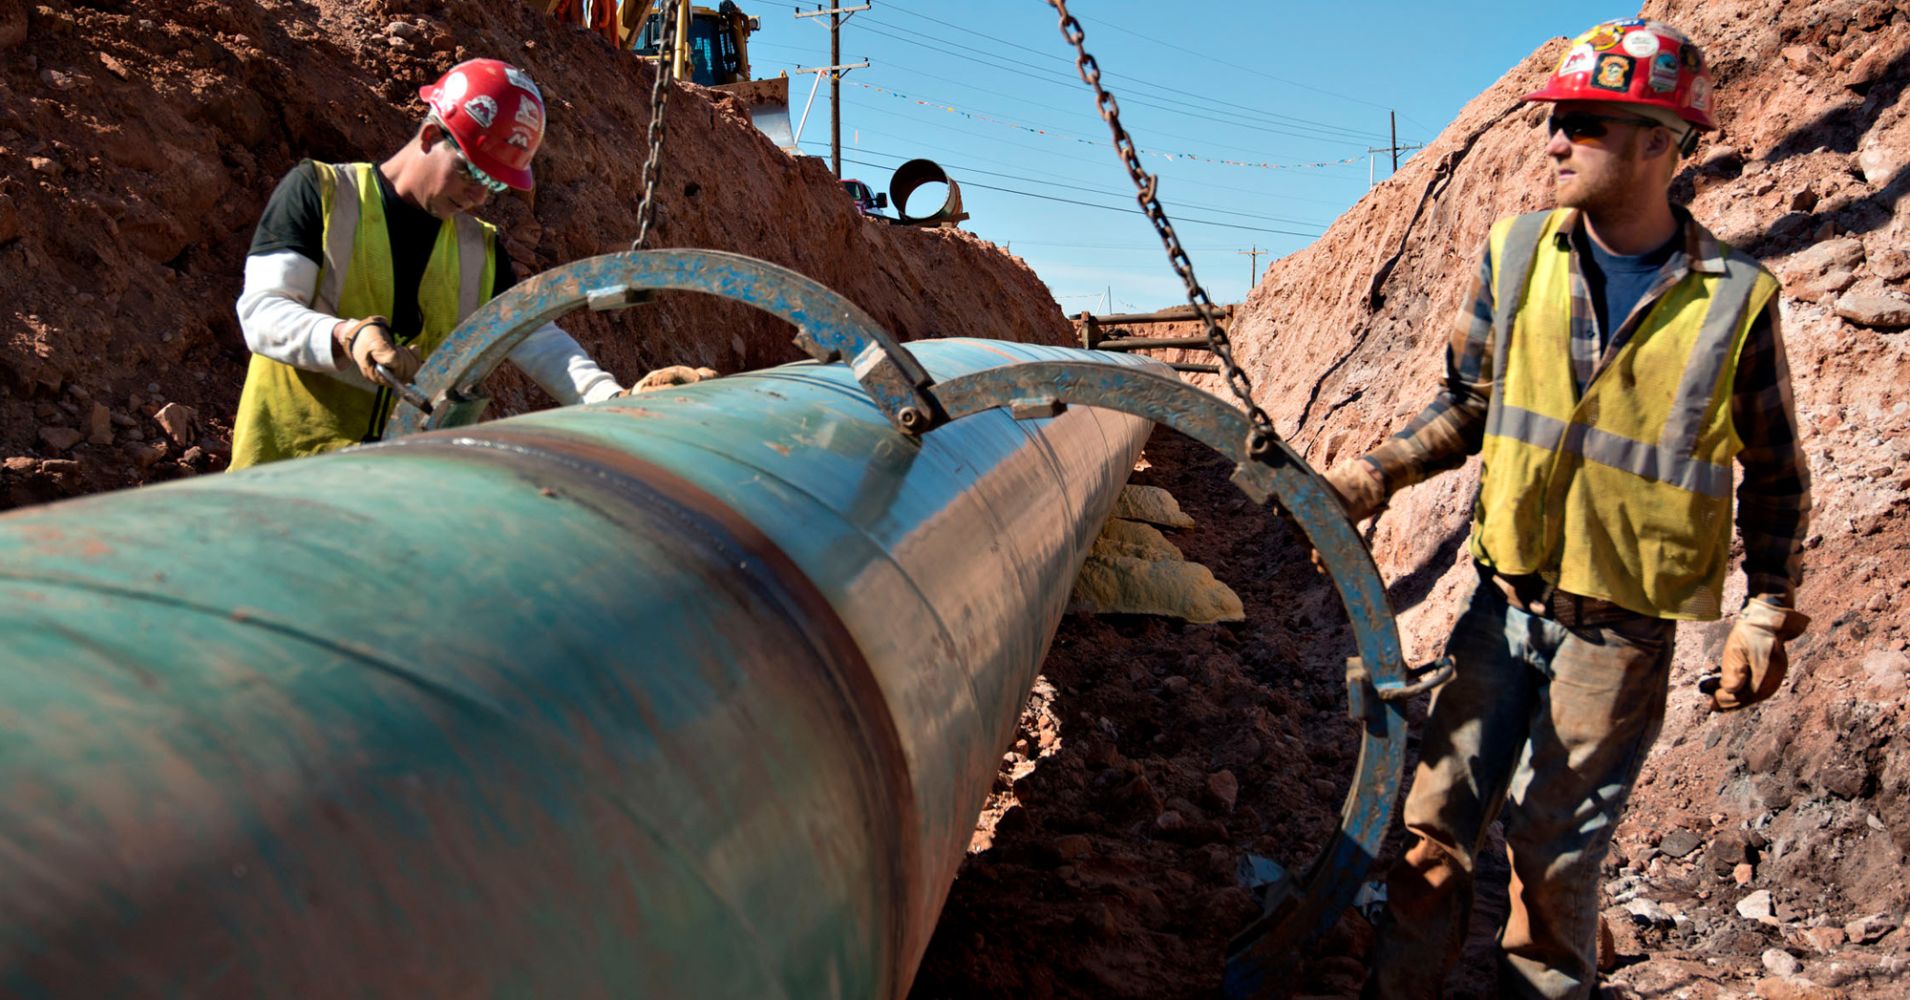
[1754,657]
[664,378]
[1356,484]
[1358,487]
[369,343]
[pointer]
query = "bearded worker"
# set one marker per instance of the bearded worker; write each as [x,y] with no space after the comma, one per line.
[361,265]
[1615,358]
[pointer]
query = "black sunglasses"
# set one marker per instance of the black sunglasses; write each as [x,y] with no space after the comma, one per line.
[1579,125]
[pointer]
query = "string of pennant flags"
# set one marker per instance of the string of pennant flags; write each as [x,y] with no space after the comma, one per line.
[1051,133]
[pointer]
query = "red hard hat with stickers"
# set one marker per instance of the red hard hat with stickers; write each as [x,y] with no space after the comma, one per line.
[1635,61]
[494,113]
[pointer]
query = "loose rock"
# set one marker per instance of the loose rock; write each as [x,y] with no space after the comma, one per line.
[1153,505]
[1759,906]
[1831,255]
[1223,789]
[60,438]
[144,456]
[60,468]
[1781,988]
[1870,928]
[177,421]
[1679,843]
[1878,164]
[1823,940]
[99,425]
[1649,912]
[1882,312]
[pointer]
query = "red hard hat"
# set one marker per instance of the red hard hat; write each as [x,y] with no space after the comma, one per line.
[496,115]
[1635,61]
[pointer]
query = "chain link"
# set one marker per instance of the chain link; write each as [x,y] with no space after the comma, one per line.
[1262,431]
[659,93]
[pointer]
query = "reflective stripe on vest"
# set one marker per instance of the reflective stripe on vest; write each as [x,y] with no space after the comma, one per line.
[285,412]
[1624,493]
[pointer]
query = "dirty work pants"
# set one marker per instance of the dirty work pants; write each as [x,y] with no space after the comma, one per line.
[1552,723]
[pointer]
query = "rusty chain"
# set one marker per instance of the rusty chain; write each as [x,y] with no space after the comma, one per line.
[659,94]
[1263,435]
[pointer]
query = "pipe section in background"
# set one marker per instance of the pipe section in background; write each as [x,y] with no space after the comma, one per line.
[918,173]
[694,693]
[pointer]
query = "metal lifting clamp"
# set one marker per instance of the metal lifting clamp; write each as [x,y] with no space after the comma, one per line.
[832,329]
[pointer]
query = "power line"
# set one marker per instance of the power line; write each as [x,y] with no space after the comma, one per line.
[1314,170]
[1337,204]
[1155,39]
[1026,125]
[1136,248]
[1112,194]
[1073,83]
[1046,54]
[1113,208]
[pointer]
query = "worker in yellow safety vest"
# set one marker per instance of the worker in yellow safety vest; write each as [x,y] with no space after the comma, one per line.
[359,265]
[1614,360]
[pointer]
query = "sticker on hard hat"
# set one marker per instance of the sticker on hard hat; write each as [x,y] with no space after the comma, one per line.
[482,110]
[1700,94]
[1664,73]
[1693,58]
[1613,73]
[522,79]
[1603,37]
[1579,60]
[520,137]
[530,113]
[454,87]
[1642,44]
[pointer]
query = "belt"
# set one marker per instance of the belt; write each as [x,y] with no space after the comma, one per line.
[1534,594]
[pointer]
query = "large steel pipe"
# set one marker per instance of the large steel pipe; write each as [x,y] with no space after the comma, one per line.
[692,694]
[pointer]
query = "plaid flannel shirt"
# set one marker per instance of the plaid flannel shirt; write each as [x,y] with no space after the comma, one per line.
[1773,500]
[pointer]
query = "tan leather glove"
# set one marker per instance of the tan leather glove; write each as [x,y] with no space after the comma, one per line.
[1356,484]
[1754,657]
[674,375]
[368,342]
[1358,487]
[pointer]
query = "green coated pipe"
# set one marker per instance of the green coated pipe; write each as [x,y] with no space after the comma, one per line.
[690,694]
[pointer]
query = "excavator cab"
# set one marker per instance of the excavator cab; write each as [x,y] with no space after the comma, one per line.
[718,53]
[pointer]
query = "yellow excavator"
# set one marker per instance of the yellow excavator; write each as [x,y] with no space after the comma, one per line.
[713,51]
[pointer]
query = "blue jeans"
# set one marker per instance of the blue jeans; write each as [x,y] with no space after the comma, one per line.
[1552,723]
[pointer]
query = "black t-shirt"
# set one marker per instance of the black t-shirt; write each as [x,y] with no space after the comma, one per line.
[294,219]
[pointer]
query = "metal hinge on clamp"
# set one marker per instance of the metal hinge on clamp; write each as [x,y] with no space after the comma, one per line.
[1419,680]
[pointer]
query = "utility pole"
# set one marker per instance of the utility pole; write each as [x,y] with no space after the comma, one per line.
[1253,275]
[1392,123]
[836,20]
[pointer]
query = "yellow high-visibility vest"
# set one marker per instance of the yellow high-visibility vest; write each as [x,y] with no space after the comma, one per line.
[1623,493]
[286,412]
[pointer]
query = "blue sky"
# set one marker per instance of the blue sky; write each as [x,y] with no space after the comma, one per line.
[1304,86]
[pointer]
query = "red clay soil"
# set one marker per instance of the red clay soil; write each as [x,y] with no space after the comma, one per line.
[140,138]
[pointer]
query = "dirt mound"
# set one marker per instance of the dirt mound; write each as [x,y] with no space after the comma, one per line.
[1812,791]
[139,140]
